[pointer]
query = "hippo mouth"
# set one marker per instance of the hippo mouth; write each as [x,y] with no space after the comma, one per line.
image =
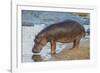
[36,51]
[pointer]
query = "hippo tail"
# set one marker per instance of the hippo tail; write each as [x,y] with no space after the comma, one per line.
[84,34]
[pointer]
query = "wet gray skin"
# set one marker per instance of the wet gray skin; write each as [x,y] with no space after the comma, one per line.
[64,32]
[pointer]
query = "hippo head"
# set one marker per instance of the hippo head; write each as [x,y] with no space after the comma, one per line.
[39,42]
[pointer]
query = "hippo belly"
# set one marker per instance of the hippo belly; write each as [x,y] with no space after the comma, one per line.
[65,40]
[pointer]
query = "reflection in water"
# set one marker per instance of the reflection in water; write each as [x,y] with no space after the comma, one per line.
[36,58]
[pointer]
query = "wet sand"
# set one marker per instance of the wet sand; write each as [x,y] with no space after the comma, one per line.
[75,54]
[81,53]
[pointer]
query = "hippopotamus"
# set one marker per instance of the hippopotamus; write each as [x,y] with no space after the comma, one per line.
[68,31]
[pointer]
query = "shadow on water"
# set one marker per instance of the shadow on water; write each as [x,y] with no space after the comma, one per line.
[37,58]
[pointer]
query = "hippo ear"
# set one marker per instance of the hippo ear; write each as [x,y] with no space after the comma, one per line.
[38,40]
[42,35]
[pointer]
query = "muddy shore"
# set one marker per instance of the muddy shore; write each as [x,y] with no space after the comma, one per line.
[81,53]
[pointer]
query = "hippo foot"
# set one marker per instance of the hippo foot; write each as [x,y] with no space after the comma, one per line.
[71,48]
[74,48]
[53,53]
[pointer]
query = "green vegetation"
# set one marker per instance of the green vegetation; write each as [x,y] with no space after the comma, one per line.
[83,15]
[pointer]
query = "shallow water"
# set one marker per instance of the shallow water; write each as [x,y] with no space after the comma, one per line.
[28,34]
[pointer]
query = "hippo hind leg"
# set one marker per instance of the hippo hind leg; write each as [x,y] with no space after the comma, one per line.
[76,43]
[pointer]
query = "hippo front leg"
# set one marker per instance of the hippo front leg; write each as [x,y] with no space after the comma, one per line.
[53,47]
